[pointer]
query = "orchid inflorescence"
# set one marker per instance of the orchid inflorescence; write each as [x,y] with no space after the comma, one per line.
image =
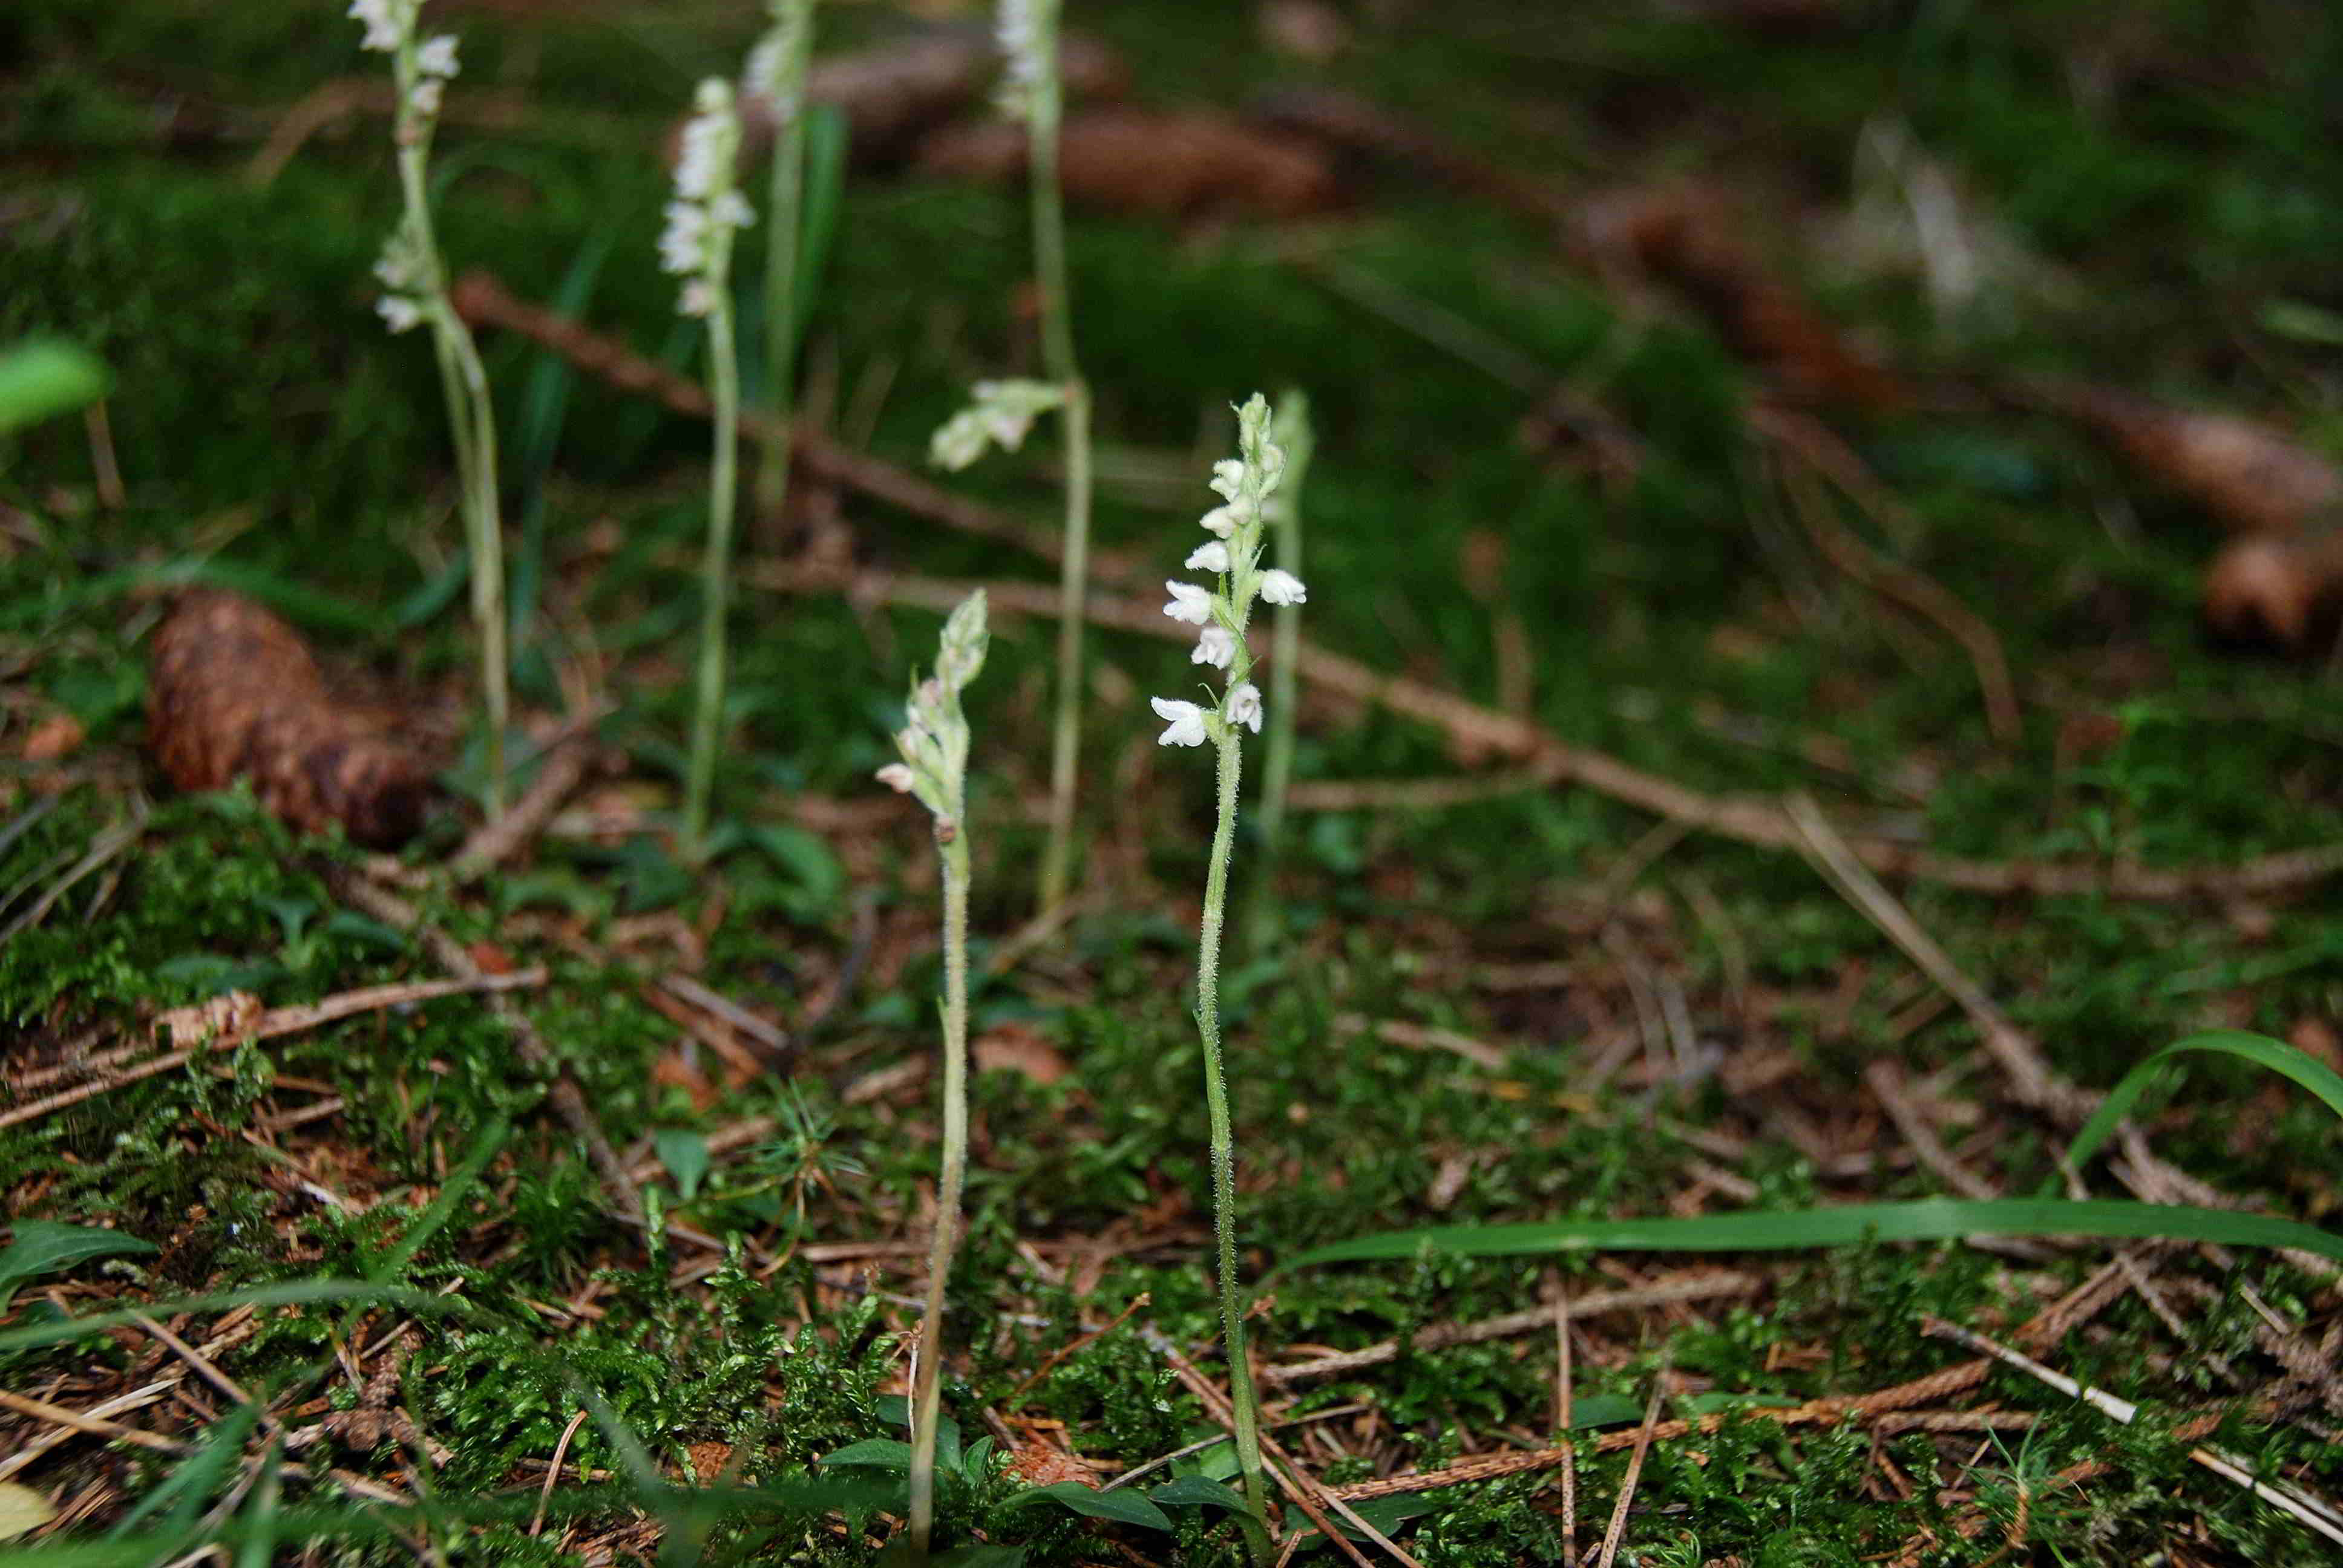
[1026,31]
[1245,484]
[934,740]
[999,414]
[420,69]
[708,207]
[775,67]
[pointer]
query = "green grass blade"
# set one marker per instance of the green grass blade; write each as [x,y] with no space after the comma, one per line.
[2258,1049]
[299,1294]
[825,186]
[458,1185]
[1930,1219]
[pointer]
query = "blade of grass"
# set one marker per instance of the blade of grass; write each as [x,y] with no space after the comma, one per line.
[458,1184]
[1930,1219]
[2260,1049]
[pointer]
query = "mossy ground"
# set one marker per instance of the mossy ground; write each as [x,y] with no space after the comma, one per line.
[2174,169]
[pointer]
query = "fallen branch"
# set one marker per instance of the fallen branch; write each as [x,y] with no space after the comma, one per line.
[1762,823]
[1765,824]
[1696,1287]
[212,1028]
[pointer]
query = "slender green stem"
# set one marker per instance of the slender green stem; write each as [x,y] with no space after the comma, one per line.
[1073,582]
[471,422]
[928,1395]
[715,572]
[1074,587]
[1246,1401]
[788,200]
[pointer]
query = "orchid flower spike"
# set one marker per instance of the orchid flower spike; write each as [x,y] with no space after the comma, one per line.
[1244,484]
[696,245]
[999,414]
[933,741]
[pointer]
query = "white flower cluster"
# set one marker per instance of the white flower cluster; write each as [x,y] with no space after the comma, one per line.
[404,273]
[934,742]
[389,24]
[1026,31]
[1002,415]
[1245,484]
[776,69]
[698,243]
[423,69]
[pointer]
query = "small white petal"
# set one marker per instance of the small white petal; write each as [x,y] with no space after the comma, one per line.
[423,97]
[1221,520]
[1186,721]
[729,209]
[397,312]
[1189,603]
[1210,558]
[1282,587]
[1245,706]
[1214,647]
[1228,477]
[697,298]
[898,778]
[436,58]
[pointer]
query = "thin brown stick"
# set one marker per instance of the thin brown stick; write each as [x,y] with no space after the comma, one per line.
[136,1399]
[2035,1083]
[1693,1288]
[1296,1484]
[1561,1398]
[568,1100]
[1617,1529]
[484,301]
[553,1471]
[1885,1078]
[276,1022]
[1762,823]
[1818,453]
[566,759]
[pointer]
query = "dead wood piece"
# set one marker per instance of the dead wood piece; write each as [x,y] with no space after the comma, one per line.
[1183,165]
[234,693]
[2248,476]
[894,94]
[1692,1288]
[1683,238]
[484,300]
[2282,591]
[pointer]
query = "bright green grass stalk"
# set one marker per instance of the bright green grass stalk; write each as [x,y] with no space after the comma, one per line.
[1221,614]
[1290,430]
[776,68]
[934,747]
[1029,36]
[701,220]
[412,272]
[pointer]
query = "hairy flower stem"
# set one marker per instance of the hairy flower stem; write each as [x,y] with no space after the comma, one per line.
[471,422]
[788,200]
[1277,757]
[1058,358]
[1246,1401]
[714,573]
[1074,587]
[927,1395]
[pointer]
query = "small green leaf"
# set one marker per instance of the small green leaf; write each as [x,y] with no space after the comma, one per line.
[684,1152]
[1197,1491]
[885,1453]
[43,379]
[45,1247]
[1123,1507]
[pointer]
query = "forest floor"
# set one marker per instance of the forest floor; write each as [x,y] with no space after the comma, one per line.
[1633,647]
